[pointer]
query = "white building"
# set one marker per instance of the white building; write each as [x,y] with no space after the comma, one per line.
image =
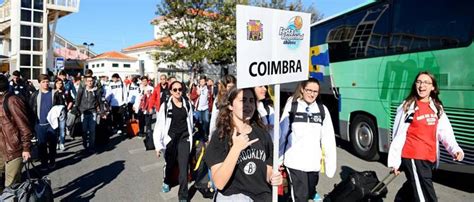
[112,62]
[27,28]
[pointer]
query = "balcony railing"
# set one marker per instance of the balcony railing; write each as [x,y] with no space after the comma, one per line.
[72,5]
[5,11]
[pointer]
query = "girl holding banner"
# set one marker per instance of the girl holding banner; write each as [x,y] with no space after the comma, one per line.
[241,153]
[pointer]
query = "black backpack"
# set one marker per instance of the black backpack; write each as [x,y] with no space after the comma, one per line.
[292,112]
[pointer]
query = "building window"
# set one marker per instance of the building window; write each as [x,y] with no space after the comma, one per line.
[36,73]
[26,3]
[25,44]
[25,72]
[115,65]
[37,32]
[38,4]
[102,65]
[25,30]
[38,17]
[37,45]
[37,60]
[93,66]
[126,65]
[25,60]
[25,15]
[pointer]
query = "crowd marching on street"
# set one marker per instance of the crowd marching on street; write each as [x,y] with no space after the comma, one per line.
[211,132]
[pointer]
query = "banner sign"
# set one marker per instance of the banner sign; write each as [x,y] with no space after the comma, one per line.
[272,46]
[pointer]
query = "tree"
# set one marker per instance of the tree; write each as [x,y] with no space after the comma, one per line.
[186,24]
[296,5]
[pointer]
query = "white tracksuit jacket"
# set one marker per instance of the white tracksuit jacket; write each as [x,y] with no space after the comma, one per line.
[305,143]
[115,94]
[160,132]
[444,134]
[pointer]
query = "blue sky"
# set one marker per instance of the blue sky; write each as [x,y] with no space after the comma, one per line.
[116,24]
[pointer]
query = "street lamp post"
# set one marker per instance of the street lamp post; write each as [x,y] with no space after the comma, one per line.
[88,45]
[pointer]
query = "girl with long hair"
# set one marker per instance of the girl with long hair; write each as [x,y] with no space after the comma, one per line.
[61,98]
[225,84]
[173,134]
[241,153]
[265,107]
[306,132]
[419,124]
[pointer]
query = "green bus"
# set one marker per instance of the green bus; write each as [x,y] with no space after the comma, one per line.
[375,52]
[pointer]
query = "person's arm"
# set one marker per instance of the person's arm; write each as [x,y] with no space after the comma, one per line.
[221,172]
[20,117]
[328,144]
[446,137]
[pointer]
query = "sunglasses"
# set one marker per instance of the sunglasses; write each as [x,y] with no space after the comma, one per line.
[177,90]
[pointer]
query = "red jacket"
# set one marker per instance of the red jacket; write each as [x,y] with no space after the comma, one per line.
[195,97]
[155,100]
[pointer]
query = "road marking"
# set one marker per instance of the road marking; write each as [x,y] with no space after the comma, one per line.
[136,151]
[152,166]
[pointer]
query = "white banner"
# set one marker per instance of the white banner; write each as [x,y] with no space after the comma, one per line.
[272,46]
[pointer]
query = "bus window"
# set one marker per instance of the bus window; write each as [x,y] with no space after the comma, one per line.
[441,24]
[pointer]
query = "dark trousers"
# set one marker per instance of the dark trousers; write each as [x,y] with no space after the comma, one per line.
[89,124]
[303,184]
[144,123]
[177,152]
[118,114]
[47,141]
[419,182]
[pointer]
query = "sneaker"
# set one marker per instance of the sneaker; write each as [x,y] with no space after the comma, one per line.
[57,146]
[317,197]
[165,188]
[61,147]
[119,131]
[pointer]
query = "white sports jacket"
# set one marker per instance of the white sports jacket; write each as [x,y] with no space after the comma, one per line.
[307,139]
[444,134]
[163,123]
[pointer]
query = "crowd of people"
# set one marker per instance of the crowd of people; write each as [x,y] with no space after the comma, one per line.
[235,125]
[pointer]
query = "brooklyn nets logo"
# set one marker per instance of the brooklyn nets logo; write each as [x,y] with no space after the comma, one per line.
[250,168]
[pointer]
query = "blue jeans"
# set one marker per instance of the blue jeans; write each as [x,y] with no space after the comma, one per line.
[62,130]
[88,129]
[47,140]
[203,117]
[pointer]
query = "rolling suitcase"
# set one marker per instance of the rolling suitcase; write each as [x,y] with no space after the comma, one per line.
[132,127]
[360,186]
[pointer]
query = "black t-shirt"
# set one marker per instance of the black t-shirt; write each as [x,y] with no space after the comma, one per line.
[179,122]
[250,174]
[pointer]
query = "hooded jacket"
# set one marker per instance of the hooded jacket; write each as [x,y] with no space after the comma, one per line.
[444,134]
[163,123]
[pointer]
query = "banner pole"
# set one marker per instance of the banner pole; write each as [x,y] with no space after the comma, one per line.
[276,138]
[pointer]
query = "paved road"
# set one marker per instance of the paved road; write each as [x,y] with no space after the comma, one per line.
[124,171]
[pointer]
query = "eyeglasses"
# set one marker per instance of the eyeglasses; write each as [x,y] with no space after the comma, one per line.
[309,91]
[418,82]
[177,90]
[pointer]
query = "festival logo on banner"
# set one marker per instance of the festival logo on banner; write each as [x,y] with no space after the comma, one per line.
[292,34]
[254,30]
[319,60]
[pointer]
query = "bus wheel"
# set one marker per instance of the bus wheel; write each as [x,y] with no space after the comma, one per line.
[364,137]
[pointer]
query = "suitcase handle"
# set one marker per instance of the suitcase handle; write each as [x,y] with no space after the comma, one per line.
[381,185]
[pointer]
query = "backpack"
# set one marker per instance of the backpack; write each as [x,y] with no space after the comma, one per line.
[29,112]
[292,112]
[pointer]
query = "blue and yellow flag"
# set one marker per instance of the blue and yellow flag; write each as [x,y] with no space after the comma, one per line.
[319,61]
